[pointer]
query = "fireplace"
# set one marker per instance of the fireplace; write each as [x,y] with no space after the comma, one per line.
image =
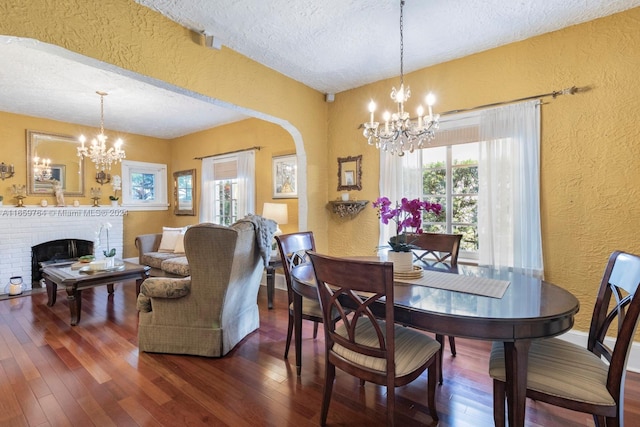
[57,251]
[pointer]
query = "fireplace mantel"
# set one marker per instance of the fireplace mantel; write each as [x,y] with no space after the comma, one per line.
[24,227]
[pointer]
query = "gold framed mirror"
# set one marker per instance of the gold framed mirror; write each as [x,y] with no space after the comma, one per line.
[350,173]
[64,165]
[184,192]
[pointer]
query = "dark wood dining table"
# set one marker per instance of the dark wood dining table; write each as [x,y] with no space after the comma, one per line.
[530,309]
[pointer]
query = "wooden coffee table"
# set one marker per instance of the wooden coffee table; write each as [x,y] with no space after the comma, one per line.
[75,281]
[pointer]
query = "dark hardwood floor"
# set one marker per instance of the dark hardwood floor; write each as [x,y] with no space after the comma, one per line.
[52,374]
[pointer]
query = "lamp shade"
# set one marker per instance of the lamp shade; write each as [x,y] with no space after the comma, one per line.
[277,212]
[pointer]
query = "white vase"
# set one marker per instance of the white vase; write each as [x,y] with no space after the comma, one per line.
[114,203]
[402,261]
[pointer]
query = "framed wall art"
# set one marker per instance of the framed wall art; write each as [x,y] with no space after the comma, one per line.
[350,173]
[285,177]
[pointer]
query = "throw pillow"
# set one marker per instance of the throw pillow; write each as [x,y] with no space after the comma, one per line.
[169,238]
[179,248]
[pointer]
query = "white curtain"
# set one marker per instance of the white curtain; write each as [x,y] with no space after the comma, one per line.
[246,183]
[207,208]
[399,177]
[245,175]
[509,186]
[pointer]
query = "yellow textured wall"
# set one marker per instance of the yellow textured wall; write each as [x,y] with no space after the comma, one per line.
[590,154]
[125,34]
[273,140]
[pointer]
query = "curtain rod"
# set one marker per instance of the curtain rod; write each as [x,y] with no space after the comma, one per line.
[568,91]
[228,152]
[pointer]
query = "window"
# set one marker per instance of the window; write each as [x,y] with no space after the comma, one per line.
[225,201]
[450,178]
[144,186]
[484,167]
[228,187]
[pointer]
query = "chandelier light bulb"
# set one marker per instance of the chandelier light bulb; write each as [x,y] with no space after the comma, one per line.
[372,109]
[420,112]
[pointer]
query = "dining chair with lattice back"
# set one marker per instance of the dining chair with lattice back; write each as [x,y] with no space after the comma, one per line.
[438,250]
[571,376]
[364,340]
[293,249]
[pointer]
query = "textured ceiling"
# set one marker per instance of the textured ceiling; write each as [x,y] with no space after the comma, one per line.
[329,45]
[334,45]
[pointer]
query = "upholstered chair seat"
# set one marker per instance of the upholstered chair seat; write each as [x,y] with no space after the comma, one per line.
[562,369]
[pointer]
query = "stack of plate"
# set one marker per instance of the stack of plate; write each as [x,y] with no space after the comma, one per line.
[416,273]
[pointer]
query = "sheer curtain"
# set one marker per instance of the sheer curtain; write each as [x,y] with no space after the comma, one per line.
[245,176]
[399,177]
[207,207]
[246,183]
[509,185]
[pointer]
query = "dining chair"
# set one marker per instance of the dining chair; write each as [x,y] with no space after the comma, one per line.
[438,250]
[572,376]
[293,249]
[364,341]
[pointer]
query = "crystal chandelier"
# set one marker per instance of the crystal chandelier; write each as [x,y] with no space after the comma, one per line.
[98,152]
[41,169]
[399,132]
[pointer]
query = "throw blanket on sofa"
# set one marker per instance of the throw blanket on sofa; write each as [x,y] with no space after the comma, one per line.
[265,229]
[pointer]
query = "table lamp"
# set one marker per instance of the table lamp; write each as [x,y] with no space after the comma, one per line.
[277,212]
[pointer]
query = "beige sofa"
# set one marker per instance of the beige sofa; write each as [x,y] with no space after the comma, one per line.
[208,313]
[163,264]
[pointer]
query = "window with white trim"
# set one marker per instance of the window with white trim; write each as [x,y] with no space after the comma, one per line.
[144,186]
[450,178]
[228,187]
[225,191]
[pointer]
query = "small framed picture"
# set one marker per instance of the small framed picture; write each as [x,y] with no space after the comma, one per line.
[285,177]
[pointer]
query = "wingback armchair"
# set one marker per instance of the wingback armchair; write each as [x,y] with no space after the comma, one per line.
[208,313]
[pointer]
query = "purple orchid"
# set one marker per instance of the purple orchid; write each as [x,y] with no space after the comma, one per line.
[407,215]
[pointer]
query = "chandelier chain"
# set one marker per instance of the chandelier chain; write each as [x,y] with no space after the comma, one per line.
[101,112]
[401,42]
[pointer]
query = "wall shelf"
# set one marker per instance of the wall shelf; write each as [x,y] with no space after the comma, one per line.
[349,208]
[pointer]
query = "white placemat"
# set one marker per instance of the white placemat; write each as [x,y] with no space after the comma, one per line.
[457,282]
